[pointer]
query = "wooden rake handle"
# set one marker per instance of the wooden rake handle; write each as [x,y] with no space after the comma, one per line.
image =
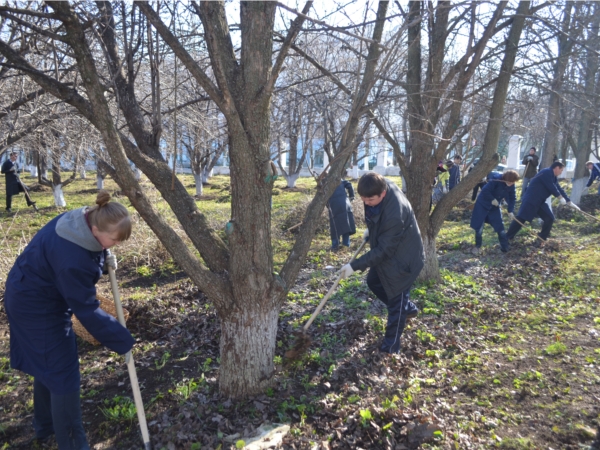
[331,290]
[135,387]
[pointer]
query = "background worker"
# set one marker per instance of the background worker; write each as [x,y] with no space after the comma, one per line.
[454,172]
[531,162]
[542,186]
[52,279]
[396,256]
[500,186]
[594,169]
[341,218]
[10,169]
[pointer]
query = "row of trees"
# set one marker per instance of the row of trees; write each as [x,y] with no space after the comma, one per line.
[143,82]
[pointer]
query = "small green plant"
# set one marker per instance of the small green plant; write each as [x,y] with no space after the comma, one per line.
[365,416]
[558,348]
[162,361]
[185,389]
[206,365]
[119,409]
[277,360]
[425,337]
[353,399]
[388,404]
[144,271]
[240,444]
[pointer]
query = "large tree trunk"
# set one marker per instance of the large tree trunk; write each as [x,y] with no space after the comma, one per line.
[565,43]
[431,269]
[248,339]
[198,180]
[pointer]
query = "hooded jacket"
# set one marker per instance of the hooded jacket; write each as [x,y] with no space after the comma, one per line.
[396,246]
[51,280]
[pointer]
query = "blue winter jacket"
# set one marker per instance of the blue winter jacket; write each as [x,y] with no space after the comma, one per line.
[454,178]
[542,186]
[484,211]
[52,279]
[595,173]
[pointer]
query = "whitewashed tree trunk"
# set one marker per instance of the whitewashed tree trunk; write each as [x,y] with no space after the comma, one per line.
[33,170]
[99,182]
[59,197]
[198,178]
[206,174]
[248,344]
[291,179]
[431,269]
[83,174]
[137,174]
[578,190]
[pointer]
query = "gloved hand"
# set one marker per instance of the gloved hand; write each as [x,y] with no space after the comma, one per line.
[444,189]
[346,271]
[111,261]
[366,235]
[13,168]
[495,202]
[511,216]
[574,206]
[530,158]
[563,201]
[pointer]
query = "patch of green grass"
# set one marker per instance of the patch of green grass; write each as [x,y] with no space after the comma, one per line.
[119,409]
[558,348]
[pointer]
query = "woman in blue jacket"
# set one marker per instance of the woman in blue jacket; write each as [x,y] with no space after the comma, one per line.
[341,217]
[487,207]
[54,278]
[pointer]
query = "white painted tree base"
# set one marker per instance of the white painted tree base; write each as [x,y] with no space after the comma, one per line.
[83,174]
[99,183]
[578,190]
[59,197]
[291,180]
[33,171]
[206,175]
[198,178]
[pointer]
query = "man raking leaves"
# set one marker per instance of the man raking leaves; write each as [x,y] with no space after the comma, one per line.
[396,256]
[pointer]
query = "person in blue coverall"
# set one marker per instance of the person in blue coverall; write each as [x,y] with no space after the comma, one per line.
[500,186]
[396,256]
[54,278]
[542,186]
[454,177]
[341,218]
[594,169]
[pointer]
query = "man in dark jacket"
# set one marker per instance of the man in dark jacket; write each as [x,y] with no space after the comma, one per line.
[542,186]
[396,256]
[14,186]
[531,162]
[341,218]
[454,178]
[594,169]
[10,171]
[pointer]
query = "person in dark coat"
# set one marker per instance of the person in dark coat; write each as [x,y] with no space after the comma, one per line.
[14,186]
[341,218]
[54,278]
[454,171]
[542,186]
[594,169]
[531,162]
[396,256]
[500,186]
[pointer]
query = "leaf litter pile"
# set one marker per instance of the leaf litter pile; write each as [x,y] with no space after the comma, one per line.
[504,354]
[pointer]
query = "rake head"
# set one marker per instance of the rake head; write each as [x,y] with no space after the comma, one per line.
[300,347]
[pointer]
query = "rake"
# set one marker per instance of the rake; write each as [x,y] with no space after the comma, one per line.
[303,340]
[135,387]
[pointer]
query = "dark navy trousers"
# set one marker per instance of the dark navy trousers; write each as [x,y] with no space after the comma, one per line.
[398,308]
[59,415]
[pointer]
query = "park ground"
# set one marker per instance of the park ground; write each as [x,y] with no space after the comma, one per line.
[504,354]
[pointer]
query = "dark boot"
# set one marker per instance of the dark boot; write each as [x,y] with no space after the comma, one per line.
[503,241]
[478,239]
